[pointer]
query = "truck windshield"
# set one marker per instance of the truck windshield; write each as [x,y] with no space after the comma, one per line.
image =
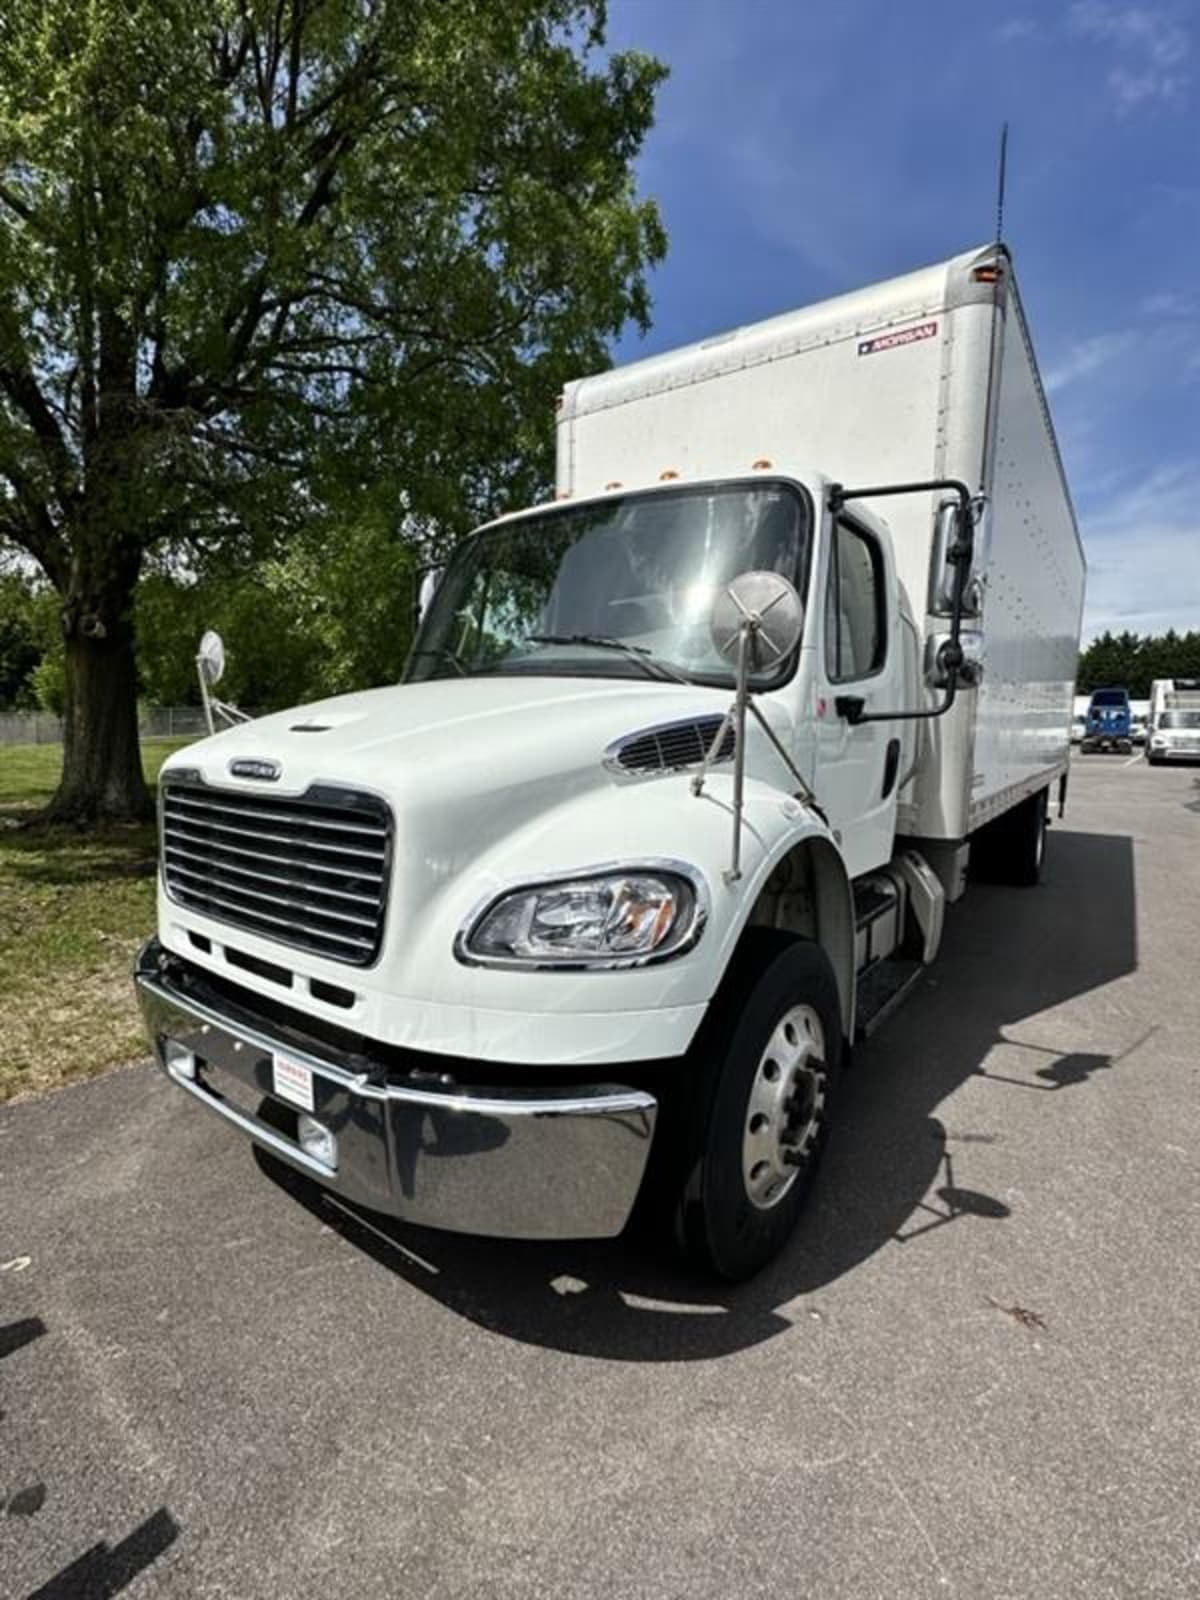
[613,589]
[1110,697]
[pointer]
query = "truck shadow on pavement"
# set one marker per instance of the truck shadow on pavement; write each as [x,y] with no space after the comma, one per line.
[103,1569]
[106,1569]
[894,1172]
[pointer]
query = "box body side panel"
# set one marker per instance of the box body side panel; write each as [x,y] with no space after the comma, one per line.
[1033,600]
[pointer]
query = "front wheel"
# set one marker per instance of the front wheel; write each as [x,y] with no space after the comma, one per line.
[768,1069]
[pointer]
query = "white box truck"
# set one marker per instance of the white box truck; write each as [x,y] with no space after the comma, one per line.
[1173,721]
[684,769]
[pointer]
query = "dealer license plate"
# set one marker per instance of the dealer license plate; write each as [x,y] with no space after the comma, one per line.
[293,1082]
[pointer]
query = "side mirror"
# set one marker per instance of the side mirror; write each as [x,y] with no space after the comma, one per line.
[756,621]
[210,669]
[210,658]
[954,590]
[948,554]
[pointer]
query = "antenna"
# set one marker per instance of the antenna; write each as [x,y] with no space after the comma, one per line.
[1001,183]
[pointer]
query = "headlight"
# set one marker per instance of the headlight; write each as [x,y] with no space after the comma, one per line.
[605,918]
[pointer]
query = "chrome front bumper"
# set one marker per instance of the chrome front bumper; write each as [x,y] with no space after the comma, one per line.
[513,1163]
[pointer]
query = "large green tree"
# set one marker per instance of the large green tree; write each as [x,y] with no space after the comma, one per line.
[261,263]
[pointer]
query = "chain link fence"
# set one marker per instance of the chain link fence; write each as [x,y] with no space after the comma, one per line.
[154,722]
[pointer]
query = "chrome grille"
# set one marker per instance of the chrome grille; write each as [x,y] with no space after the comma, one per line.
[671,746]
[310,872]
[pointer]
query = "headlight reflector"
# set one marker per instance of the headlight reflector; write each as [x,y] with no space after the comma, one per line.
[602,919]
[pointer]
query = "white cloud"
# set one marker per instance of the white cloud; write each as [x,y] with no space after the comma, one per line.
[1015,29]
[1151,45]
[1169,303]
[1143,552]
[1086,357]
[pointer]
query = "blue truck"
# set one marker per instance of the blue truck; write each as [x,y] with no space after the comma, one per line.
[1109,724]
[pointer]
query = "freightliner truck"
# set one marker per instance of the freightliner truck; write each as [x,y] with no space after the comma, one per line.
[685,768]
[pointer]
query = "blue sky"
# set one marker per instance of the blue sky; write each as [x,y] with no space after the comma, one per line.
[802,149]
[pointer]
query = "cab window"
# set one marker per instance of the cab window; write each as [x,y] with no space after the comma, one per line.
[855,638]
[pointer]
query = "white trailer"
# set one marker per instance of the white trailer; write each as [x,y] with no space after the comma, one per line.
[556,922]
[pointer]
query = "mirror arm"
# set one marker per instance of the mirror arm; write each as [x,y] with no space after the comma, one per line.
[205,699]
[951,657]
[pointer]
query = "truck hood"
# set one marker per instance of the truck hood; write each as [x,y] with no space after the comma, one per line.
[456,737]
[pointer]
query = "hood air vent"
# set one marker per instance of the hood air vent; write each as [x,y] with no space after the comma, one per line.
[669,747]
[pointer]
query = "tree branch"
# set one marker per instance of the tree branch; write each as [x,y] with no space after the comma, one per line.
[20,385]
[18,206]
[34,528]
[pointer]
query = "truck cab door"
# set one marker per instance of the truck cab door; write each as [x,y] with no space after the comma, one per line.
[860,658]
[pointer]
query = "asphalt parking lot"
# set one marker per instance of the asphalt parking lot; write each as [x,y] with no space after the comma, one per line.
[975,1372]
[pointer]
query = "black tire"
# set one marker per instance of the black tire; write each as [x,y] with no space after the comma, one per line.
[720,1221]
[1154,761]
[1011,850]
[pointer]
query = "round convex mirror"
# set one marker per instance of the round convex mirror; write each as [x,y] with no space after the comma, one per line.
[211,657]
[774,612]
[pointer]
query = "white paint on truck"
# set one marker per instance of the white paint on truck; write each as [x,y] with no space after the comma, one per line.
[824,387]
[362,886]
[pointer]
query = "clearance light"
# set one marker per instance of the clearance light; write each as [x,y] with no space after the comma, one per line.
[613,485]
[988,274]
[665,477]
[763,464]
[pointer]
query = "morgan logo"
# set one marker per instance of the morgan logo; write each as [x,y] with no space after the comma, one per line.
[894,341]
[263,771]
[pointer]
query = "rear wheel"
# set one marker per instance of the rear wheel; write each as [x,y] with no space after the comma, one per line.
[760,1119]
[1012,848]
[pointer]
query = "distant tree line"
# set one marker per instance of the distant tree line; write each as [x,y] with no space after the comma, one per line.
[1132,661]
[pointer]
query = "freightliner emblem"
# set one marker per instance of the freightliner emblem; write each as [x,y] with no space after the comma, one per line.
[264,771]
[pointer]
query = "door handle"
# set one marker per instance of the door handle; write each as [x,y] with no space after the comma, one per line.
[850,706]
[891,766]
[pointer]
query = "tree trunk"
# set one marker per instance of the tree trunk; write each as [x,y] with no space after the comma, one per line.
[102,765]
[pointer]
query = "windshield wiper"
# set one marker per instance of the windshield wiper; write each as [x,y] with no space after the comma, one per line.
[443,652]
[636,652]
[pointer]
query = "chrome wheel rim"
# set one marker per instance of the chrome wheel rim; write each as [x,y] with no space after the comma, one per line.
[785,1107]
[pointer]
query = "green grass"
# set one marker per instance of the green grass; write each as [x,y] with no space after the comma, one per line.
[74,908]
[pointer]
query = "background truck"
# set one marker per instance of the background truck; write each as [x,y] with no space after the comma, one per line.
[684,771]
[1109,724]
[1173,725]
